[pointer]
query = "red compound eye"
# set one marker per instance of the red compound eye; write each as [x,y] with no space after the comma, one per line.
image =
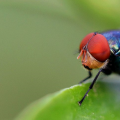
[85,40]
[97,46]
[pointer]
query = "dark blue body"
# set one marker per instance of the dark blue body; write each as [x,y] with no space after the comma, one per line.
[113,38]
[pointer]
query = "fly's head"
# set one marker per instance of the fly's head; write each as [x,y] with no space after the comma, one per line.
[94,51]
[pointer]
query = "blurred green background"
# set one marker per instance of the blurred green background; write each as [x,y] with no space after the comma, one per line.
[38,39]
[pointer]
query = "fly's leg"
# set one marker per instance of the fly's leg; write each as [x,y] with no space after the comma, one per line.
[91,86]
[89,76]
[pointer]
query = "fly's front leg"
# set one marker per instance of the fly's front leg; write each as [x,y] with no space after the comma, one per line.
[90,87]
[89,76]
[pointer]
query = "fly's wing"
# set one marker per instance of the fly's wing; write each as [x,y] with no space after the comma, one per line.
[113,38]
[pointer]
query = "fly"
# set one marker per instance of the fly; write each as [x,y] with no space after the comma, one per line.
[102,51]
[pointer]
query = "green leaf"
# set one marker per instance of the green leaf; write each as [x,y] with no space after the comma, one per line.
[102,102]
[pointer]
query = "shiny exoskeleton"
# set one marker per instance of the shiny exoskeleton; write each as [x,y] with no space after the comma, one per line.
[113,38]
